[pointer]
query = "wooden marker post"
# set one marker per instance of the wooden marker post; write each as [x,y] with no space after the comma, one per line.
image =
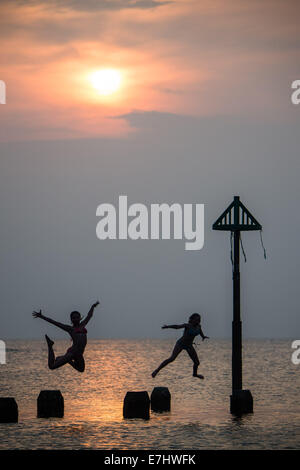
[237,218]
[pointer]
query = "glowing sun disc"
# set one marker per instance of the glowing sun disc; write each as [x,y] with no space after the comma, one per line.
[106,81]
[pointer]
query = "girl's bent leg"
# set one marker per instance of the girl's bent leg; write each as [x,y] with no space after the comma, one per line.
[51,355]
[78,363]
[54,363]
[61,361]
[194,356]
[177,349]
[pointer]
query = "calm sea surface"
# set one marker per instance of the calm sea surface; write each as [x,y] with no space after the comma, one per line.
[199,418]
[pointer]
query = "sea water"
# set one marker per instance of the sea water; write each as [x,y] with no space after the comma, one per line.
[199,417]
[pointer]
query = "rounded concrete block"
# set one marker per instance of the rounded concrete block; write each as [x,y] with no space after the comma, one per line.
[8,410]
[160,399]
[136,405]
[50,404]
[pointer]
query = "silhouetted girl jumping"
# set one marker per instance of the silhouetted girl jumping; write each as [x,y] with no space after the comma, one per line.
[78,333]
[191,330]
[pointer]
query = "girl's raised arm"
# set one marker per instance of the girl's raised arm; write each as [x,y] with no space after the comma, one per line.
[90,314]
[49,320]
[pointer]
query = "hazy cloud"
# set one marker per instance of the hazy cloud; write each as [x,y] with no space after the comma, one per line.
[94,5]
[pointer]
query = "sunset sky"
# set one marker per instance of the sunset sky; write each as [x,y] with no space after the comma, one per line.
[187,57]
[196,109]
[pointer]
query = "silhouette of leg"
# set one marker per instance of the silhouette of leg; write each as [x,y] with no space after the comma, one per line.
[78,363]
[177,349]
[61,361]
[55,363]
[194,356]
[51,355]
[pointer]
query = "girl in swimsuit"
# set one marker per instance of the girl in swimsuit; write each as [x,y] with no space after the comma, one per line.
[78,333]
[191,330]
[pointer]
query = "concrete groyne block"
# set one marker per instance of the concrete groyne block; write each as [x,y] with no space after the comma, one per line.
[50,404]
[136,405]
[160,399]
[8,410]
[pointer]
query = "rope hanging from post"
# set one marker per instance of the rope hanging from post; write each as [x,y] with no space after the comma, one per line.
[243,248]
[231,248]
[262,244]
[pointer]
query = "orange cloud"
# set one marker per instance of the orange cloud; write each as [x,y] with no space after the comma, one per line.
[189,57]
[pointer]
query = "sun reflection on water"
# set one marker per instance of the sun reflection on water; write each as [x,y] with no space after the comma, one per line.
[199,416]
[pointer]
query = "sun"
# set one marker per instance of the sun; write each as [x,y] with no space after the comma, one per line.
[106,81]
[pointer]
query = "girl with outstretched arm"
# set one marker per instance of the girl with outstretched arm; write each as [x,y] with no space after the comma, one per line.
[78,333]
[191,330]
